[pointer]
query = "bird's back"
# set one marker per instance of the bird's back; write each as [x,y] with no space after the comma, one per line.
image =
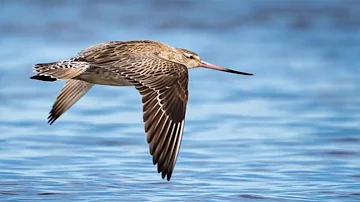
[123,48]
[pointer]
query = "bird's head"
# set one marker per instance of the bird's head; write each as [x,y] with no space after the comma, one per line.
[193,60]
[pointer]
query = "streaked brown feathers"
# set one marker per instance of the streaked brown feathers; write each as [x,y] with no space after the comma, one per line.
[69,95]
[160,74]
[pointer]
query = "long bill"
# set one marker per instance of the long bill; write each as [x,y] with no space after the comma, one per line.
[211,66]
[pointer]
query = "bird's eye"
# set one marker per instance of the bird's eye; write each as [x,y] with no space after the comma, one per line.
[191,57]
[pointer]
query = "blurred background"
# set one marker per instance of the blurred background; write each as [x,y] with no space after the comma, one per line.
[288,133]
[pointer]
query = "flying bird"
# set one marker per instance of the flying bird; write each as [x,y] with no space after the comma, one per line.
[158,71]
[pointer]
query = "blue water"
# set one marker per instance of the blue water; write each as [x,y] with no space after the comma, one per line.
[291,132]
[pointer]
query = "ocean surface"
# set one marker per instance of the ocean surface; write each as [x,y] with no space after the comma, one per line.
[291,132]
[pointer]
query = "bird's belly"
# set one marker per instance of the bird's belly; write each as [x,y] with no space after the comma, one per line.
[104,77]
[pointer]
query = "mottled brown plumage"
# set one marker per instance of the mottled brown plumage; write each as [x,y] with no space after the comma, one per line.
[158,71]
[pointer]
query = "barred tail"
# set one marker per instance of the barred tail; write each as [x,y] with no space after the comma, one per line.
[41,70]
[58,70]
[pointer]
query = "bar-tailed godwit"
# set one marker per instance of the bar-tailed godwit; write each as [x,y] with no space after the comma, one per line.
[158,71]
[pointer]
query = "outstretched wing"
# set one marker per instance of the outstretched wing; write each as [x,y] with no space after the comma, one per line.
[69,95]
[164,88]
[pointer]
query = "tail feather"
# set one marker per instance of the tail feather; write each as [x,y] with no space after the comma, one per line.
[40,69]
[43,78]
[59,70]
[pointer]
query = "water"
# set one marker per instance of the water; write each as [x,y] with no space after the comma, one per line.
[288,133]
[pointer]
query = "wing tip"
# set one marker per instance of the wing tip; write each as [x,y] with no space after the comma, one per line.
[51,119]
[168,176]
[165,172]
[53,116]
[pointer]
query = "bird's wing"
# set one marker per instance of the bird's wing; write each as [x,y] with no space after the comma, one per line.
[69,95]
[164,88]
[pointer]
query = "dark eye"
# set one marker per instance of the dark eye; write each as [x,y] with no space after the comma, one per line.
[191,57]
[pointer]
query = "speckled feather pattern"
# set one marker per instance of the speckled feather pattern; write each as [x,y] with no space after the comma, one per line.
[160,74]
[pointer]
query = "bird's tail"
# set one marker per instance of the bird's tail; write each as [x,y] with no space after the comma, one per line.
[58,70]
[41,71]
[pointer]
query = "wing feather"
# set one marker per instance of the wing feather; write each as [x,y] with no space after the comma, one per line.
[163,85]
[69,95]
[164,88]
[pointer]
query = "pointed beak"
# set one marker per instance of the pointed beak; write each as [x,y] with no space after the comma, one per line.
[211,66]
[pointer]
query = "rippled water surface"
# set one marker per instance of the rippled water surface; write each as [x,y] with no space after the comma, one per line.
[288,133]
